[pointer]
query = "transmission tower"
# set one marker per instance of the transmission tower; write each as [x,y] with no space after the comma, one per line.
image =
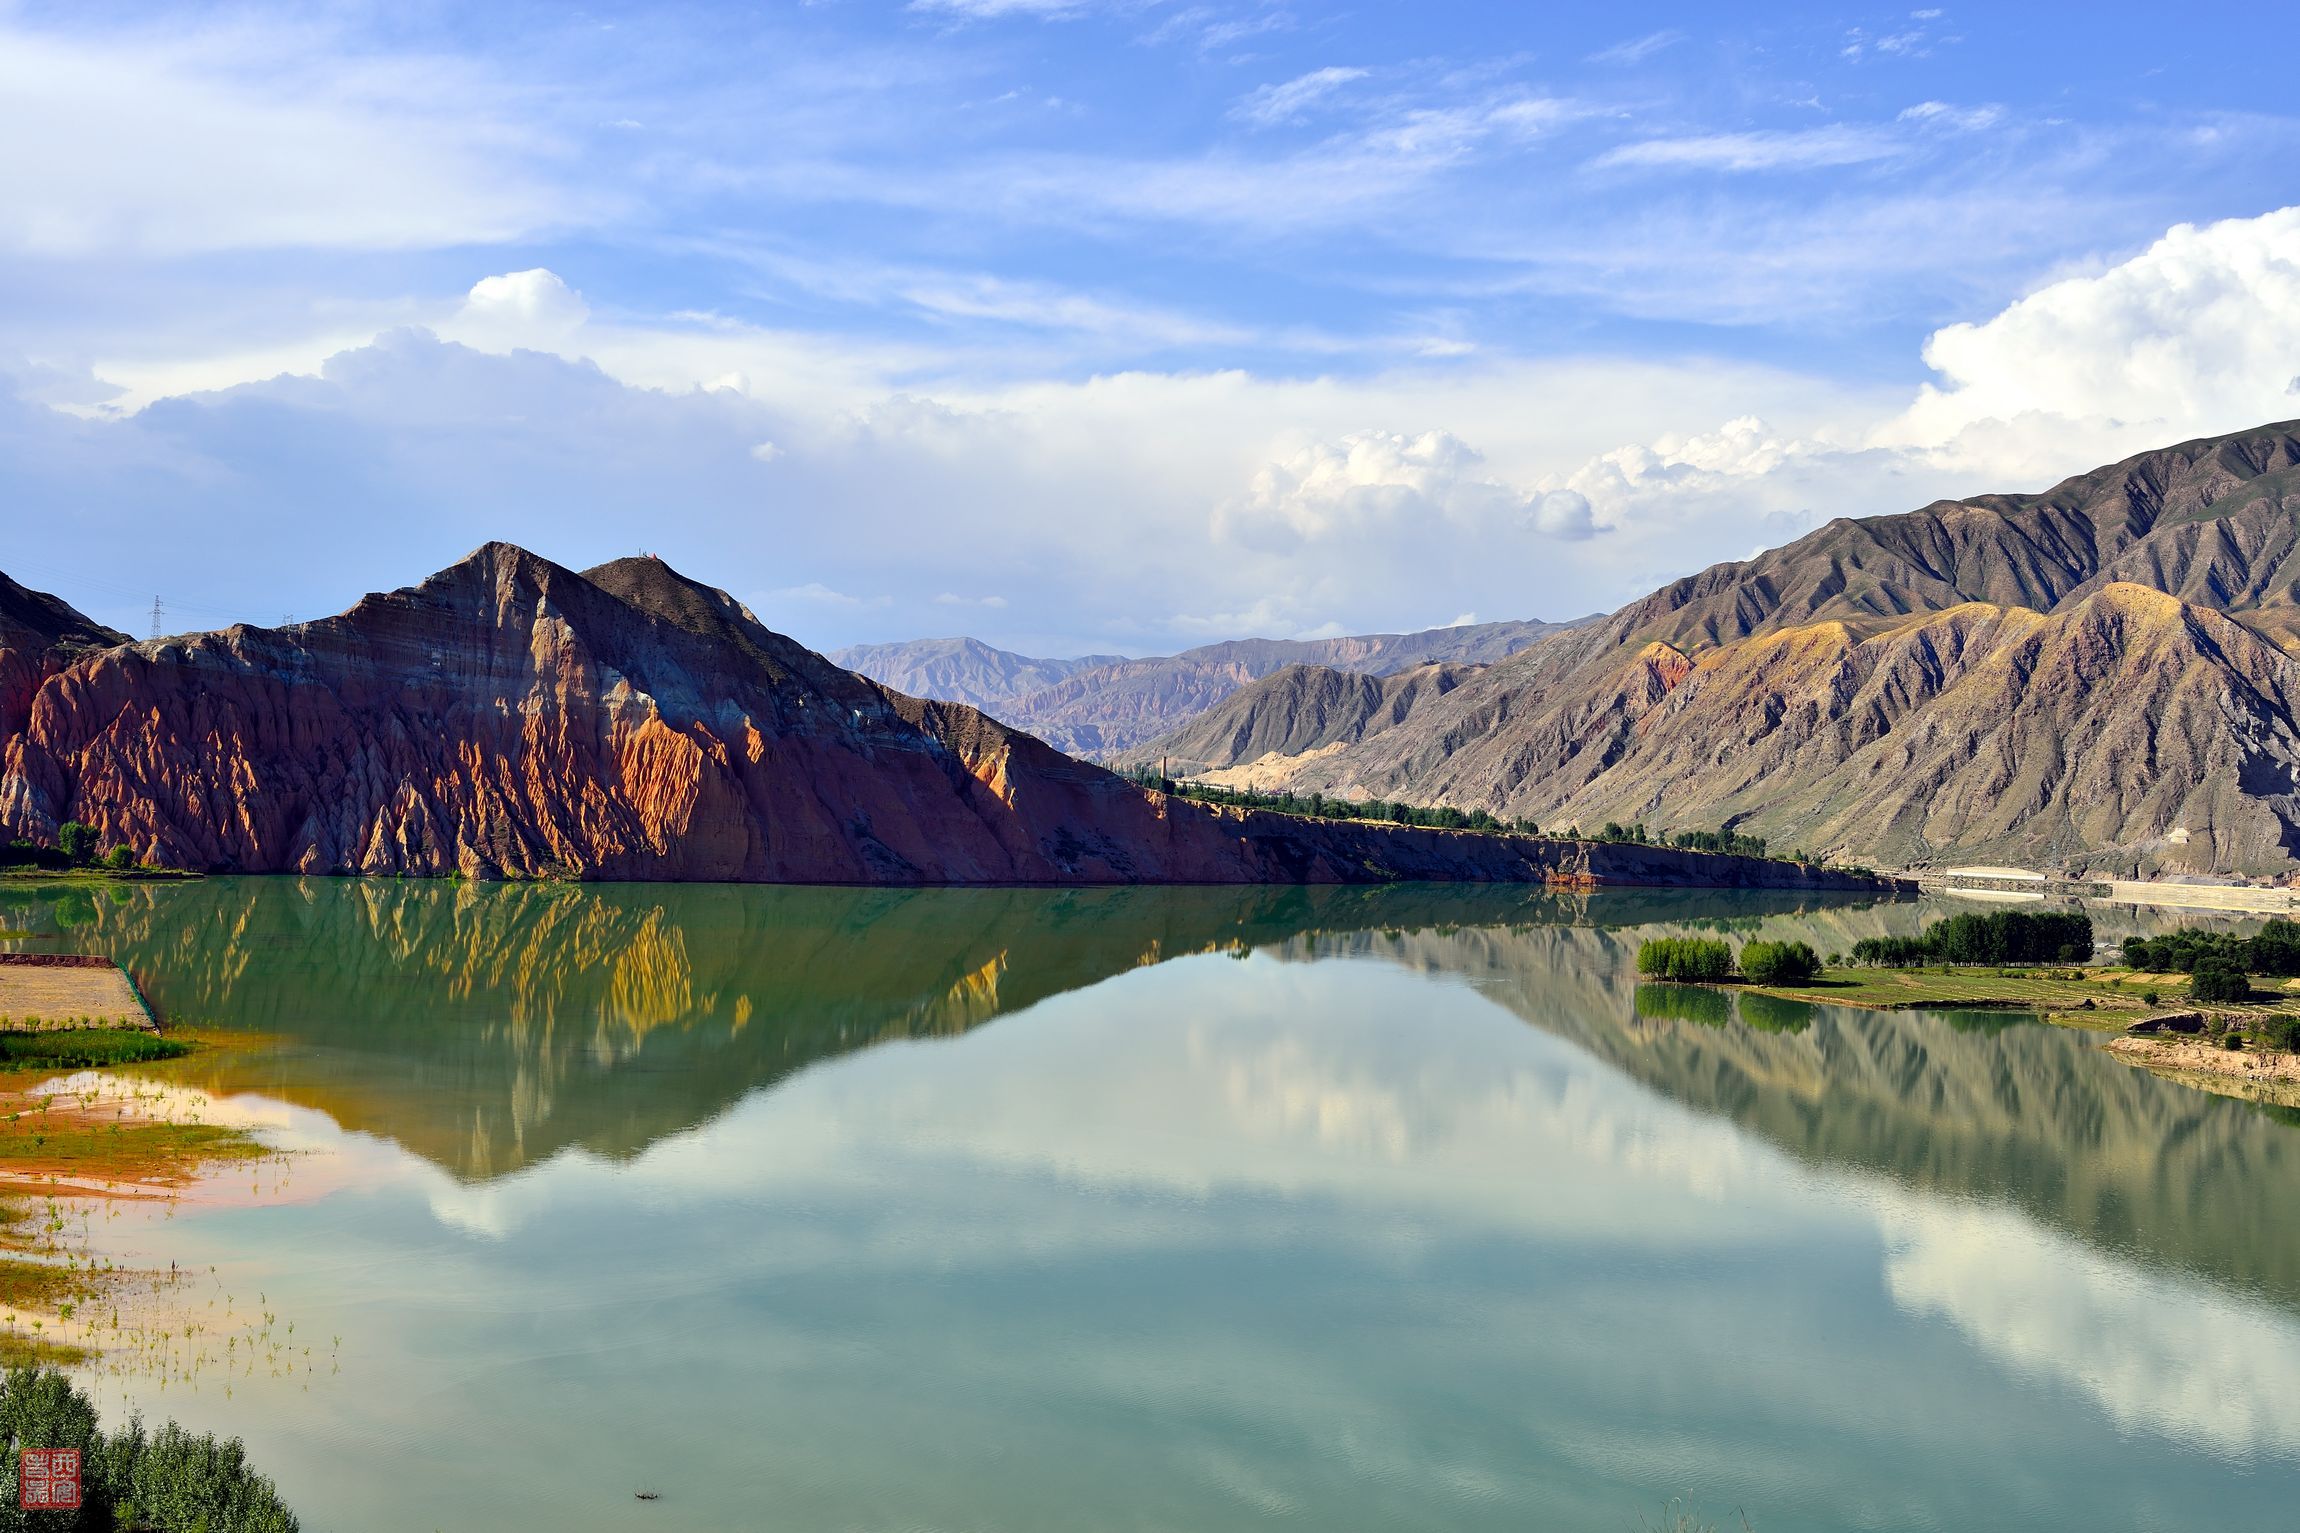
[155,617]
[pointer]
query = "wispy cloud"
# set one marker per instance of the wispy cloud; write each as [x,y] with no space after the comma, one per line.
[1268,105]
[1964,119]
[1802,149]
[1637,49]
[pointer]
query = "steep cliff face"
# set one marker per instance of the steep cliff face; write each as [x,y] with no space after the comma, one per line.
[39,635]
[509,717]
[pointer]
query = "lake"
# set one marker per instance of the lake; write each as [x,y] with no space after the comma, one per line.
[1190,1209]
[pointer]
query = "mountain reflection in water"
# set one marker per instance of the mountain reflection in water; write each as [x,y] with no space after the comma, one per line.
[487,1027]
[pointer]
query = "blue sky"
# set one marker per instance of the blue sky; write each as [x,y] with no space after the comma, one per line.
[1111,324]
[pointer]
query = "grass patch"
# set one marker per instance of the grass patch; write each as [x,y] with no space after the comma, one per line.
[89,1048]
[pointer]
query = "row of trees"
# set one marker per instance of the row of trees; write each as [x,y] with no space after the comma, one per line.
[1446,817]
[2000,937]
[2219,965]
[1708,960]
[1319,807]
[2275,949]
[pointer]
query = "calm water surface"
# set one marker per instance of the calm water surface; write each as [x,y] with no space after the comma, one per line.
[1204,1210]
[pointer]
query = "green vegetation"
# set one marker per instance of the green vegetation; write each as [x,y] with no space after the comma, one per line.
[2000,937]
[2280,1033]
[75,854]
[1773,1013]
[2274,950]
[85,1049]
[170,1481]
[1694,960]
[1779,963]
[2216,979]
[1723,839]
[1684,1003]
[1317,806]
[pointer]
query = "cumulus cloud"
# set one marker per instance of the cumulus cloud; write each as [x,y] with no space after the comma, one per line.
[1268,105]
[535,309]
[2195,334]
[1383,486]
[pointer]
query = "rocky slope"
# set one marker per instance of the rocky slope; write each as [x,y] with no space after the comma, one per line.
[962,670]
[1104,705]
[39,635]
[2093,678]
[1303,708]
[509,717]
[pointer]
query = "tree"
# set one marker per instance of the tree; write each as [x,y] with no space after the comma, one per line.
[76,841]
[2216,979]
[119,859]
[1779,963]
[1699,960]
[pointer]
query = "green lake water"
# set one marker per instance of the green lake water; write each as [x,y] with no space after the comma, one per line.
[1182,1210]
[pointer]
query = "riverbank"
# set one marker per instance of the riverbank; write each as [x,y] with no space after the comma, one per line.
[66,1144]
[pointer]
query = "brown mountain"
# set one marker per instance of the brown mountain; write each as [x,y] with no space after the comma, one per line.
[509,717]
[2094,677]
[1303,708]
[1103,705]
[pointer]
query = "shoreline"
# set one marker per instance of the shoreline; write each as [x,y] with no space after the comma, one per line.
[69,1146]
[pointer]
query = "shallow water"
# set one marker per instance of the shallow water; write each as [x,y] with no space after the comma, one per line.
[1184,1209]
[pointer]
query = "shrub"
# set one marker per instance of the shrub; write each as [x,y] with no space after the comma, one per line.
[1892,952]
[1779,963]
[173,1482]
[2281,1034]
[2232,1040]
[119,859]
[2216,979]
[1685,959]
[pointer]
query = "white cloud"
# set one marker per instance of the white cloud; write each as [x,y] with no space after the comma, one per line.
[1637,49]
[180,144]
[1382,487]
[953,599]
[1965,119]
[1804,149]
[2195,334]
[1268,105]
[534,309]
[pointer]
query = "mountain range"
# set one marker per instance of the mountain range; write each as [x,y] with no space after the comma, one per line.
[1100,705]
[510,717]
[2100,677]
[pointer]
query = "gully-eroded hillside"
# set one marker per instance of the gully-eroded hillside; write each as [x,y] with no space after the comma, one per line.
[2098,678]
[511,718]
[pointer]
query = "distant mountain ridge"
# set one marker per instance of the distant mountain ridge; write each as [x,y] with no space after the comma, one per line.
[961,670]
[1099,705]
[2098,677]
[512,718]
